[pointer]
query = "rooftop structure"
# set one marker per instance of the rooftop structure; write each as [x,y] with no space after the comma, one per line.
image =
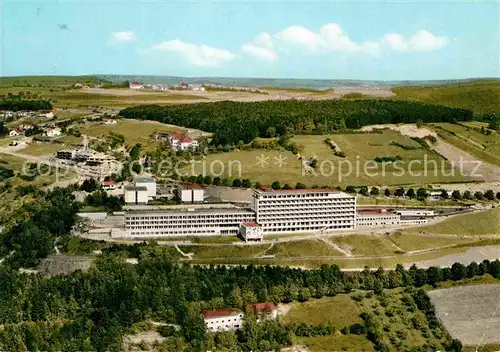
[251,231]
[190,193]
[135,194]
[149,183]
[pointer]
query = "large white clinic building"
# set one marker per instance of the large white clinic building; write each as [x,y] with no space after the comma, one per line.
[304,210]
[281,211]
[184,220]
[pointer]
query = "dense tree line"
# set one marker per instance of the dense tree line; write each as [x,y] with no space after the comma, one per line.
[96,308]
[31,237]
[23,104]
[232,122]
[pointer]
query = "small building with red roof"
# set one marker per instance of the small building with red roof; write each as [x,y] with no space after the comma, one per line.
[226,319]
[136,85]
[251,231]
[180,141]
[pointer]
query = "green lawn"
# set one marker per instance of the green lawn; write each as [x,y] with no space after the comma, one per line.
[336,343]
[342,261]
[469,139]
[358,168]
[337,311]
[480,96]
[41,149]
[17,163]
[134,131]
[478,223]
[410,243]
[366,245]
[302,249]
[402,325]
[229,251]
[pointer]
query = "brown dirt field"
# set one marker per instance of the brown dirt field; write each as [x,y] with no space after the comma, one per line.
[470,313]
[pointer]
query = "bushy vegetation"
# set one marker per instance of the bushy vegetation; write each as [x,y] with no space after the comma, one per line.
[232,122]
[16,102]
[51,215]
[96,308]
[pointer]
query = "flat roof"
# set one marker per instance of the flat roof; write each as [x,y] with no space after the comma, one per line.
[375,212]
[250,224]
[190,185]
[215,313]
[135,188]
[304,190]
[188,211]
[144,179]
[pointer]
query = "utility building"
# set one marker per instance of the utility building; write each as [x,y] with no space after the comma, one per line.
[136,195]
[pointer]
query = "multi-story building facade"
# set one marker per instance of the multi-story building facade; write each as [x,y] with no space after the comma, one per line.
[184,221]
[301,210]
[376,218]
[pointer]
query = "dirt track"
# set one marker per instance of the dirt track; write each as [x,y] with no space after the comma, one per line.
[463,161]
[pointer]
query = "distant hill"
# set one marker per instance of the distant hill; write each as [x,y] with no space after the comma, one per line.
[480,96]
[49,81]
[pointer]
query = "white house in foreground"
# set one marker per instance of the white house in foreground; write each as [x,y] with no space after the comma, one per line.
[179,141]
[229,319]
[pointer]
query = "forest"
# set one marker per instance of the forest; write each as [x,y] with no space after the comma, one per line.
[93,310]
[25,104]
[232,122]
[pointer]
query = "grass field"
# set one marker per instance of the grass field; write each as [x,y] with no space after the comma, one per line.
[360,149]
[134,131]
[302,249]
[16,164]
[337,343]
[392,201]
[478,223]
[486,148]
[41,149]
[305,258]
[229,251]
[402,325]
[469,312]
[480,96]
[56,90]
[365,245]
[337,311]
[70,139]
[410,243]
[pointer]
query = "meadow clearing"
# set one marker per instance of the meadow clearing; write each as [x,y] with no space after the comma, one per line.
[418,165]
[469,139]
[478,223]
[134,131]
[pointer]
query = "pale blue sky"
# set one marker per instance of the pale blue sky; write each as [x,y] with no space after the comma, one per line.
[331,40]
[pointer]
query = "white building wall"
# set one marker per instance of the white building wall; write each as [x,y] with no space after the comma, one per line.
[374,220]
[130,196]
[415,212]
[198,195]
[304,211]
[225,323]
[186,223]
[151,186]
[142,197]
[251,233]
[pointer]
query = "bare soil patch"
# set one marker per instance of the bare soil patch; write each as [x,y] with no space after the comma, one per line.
[470,313]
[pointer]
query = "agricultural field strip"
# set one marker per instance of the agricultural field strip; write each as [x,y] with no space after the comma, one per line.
[470,313]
